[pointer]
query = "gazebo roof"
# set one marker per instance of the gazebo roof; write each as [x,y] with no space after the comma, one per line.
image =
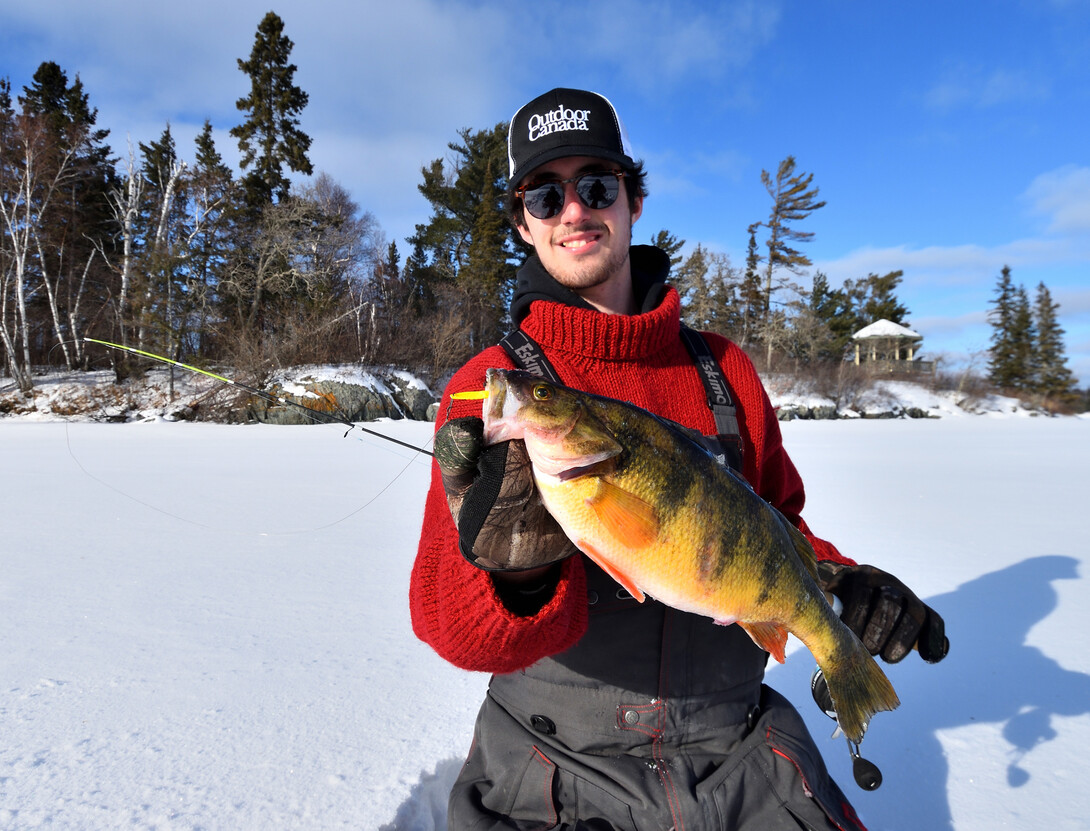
[886,329]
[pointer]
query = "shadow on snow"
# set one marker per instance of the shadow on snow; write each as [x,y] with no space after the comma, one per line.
[991,676]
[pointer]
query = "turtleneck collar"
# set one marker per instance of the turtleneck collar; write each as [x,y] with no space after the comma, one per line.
[557,317]
[650,269]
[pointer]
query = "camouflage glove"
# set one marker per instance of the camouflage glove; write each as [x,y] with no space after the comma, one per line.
[502,523]
[886,615]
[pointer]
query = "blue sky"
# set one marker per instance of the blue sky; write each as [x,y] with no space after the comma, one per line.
[948,139]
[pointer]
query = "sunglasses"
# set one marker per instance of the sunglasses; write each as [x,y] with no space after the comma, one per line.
[595,190]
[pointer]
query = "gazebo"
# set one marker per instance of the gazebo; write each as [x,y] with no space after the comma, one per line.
[890,347]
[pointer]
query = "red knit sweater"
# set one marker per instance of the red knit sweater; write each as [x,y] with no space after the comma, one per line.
[639,359]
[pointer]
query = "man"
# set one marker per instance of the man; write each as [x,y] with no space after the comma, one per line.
[605,713]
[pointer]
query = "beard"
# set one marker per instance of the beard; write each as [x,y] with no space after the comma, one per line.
[599,270]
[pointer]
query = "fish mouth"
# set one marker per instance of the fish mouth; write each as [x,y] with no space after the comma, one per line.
[509,391]
[498,413]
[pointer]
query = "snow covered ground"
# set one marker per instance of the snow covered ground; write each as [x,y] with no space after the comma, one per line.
[206,626]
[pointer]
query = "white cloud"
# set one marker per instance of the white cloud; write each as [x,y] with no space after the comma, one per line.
[1062,195]
[955,264]
[657,45]
[977,88]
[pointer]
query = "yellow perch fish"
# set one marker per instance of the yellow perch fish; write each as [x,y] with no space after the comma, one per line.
[640,497]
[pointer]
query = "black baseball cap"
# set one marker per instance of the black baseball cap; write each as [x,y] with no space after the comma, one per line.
[565,122]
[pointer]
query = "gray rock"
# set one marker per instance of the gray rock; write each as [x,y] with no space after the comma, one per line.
[399,399]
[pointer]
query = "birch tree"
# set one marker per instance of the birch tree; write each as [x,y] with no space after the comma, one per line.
[33,171]
[76,222]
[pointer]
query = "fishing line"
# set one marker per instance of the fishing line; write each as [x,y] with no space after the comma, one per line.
[326,418]
[227,528]
[314,415]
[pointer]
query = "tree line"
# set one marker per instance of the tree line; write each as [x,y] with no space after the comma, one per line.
[191,261]
[1027,349]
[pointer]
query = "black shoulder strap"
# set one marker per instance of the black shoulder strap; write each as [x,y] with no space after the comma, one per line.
[715,382]
[719,399]
[526,353]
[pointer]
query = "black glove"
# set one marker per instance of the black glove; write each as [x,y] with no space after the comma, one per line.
[886,615]
[502,523]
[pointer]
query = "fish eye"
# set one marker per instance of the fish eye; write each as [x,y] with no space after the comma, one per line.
[542,392]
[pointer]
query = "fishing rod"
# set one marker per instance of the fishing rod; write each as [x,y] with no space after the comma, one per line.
[262,394]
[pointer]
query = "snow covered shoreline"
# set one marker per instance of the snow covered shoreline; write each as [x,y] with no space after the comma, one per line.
[393,393]
[206,626]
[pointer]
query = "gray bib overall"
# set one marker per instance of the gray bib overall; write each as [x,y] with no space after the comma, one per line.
[656,719]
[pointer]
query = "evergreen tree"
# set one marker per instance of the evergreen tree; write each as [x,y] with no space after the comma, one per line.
[690,280]
[723,286]
[1054,380]
[1024,343]
[1003,368]
[464,253]
[488,278]
[793,200]
[391,267]
[750,299]
[163,233]
[76,225]
[670,244]
[213,214]
[879,301]
[270,138]
[832,309]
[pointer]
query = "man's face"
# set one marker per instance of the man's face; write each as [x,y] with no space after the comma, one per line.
[581,247]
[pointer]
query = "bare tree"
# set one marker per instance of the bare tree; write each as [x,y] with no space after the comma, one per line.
[34,170]
[125,201]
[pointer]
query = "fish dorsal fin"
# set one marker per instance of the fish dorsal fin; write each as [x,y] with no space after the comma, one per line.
[771,637]
[608,568]
[627,518]
[802,548]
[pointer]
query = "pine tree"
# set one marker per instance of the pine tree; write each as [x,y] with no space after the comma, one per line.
[1054,380]
[1024,343]
[690,280]
[488,277]
[833,309]
[213,215]
[270,138]
[467,246]
[723,286]
[1003,369]
[879,300]
[163,231]
[670,244]
[793,200]
[77,227]
[750,301]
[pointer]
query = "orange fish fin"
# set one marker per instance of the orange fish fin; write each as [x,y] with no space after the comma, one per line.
[771,637]
[625,516]
[608,568]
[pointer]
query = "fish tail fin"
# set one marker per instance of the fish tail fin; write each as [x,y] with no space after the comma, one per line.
[771,637]
[859,689]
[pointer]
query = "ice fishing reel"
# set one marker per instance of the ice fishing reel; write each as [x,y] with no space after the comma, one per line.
[866,773]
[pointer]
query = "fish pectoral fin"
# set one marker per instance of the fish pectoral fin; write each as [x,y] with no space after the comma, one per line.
[627,518]
[608,568]
[771,637]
